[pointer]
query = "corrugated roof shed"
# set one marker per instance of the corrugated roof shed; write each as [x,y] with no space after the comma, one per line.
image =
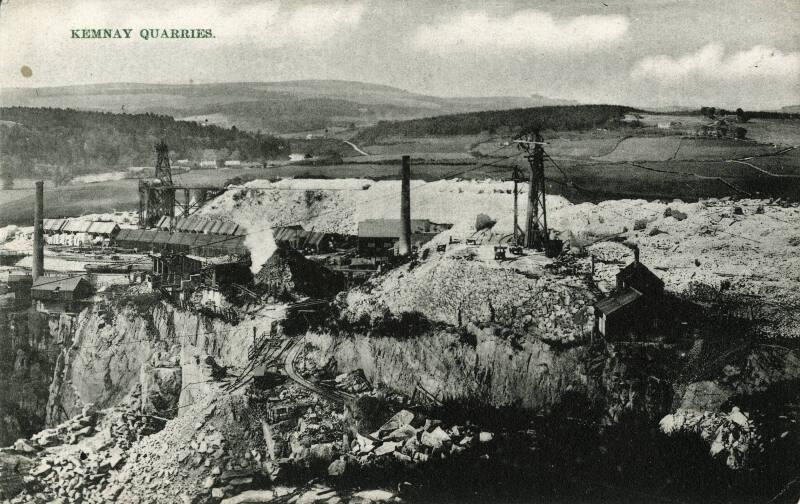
[163,223]
[53,283]
[390,228]
[63,288]
[54,225]
[76,226]
[103,228]
[227,228]
[214,227]
[617,301]
[161,238]
[315,238]
[147,236]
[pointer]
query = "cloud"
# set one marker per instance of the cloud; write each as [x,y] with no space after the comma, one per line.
[523,30]
[710,62]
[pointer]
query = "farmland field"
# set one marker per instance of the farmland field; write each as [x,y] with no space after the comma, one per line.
[398,145]
[644,149]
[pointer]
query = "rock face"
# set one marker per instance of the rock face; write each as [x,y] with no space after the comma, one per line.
[29,347]
[448,368]
[161,390]
[164,350]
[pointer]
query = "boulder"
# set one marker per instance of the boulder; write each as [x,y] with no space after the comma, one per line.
[337,467]
[400,419]
[435,438]
[372,497]
[161,389]
[23,445]
[322,453]
[386,448]
[401,433]
[483,221]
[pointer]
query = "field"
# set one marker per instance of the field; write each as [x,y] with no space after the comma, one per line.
[405,145]
[597,164]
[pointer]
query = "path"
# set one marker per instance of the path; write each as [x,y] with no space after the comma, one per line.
[356,148]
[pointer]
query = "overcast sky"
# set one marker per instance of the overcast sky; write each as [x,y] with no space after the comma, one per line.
[644,52]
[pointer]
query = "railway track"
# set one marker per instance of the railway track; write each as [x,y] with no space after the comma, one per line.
[291,355]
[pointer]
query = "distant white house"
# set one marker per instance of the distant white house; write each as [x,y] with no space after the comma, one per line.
[208,164]
[668,124]
[233,163]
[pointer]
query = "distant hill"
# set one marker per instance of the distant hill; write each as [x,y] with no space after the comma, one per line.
[78,142]
[791,109]
[562,118]
[276,107]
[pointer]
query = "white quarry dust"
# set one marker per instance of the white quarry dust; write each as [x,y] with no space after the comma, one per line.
[261,245]
[755,252]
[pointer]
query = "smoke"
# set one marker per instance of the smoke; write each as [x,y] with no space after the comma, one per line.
[262,245]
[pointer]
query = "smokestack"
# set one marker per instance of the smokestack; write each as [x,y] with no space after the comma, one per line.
[636,254]
[404,246]
[38,232]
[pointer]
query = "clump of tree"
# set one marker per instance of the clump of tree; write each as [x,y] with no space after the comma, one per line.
[81,142]
[561,118]
[744,116]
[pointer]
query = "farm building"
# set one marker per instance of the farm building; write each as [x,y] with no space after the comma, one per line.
[379,236]
[635,309]
[59,294]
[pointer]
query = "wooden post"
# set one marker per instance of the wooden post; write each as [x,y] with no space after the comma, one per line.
[516,225]
[404,247]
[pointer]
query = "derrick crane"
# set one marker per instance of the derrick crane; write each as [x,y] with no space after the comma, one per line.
[157,195]
[536,232]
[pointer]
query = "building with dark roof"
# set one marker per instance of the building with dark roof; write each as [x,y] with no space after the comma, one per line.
[59,294]
[635,309]
[377,237]
[639,277]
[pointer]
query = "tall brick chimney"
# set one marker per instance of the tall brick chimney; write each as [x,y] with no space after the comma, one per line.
[404,247]
[38,232]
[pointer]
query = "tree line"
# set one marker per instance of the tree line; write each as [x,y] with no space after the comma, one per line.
[559,118]
[52,141]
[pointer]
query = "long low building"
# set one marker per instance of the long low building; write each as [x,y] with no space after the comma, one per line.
[197,224]
[206,245]
[106,229]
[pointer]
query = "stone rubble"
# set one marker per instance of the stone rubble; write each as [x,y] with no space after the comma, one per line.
[732,436]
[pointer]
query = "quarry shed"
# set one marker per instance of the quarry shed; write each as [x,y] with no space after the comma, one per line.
[639,277]
[637,307]
[379,236]
[58,294]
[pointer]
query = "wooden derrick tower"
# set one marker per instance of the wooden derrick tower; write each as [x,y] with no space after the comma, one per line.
[157,195]
[536,233]
[163,170]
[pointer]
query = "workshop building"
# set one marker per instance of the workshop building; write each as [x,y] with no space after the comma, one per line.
[61,294]
[378,237]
